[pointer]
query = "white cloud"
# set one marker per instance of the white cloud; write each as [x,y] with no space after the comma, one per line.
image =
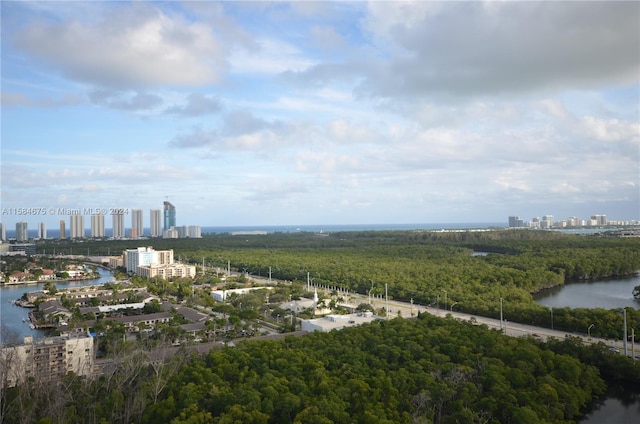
[611,130]
[272,56]
[377,112]
[467,49]
[131,47]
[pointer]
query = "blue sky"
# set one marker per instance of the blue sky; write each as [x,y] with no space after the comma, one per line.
[274,113]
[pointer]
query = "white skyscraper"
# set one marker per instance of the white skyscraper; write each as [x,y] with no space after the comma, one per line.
[118,226]
[3,232]
[137,228]
[97,225]
[42,230]
[194,231]
[76,226]
[156,223]
[22,233]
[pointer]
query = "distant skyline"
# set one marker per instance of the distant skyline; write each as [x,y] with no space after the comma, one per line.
[306,113]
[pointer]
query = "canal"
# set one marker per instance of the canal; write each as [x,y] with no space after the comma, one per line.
[622,404]
[15,319]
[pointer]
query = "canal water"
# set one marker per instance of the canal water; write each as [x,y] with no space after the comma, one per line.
[607,294]
[15,319]
[621,406]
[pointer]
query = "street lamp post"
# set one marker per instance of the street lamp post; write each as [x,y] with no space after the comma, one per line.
[452,305]
[501,319]
[589,331]
[445,299]
[551,309]
[370,290]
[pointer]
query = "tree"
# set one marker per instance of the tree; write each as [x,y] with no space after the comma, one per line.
[50,288]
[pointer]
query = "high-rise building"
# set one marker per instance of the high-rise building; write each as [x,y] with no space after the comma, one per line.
[169,215]
[42,230]
[63,229]
[515,221]
[118,225]
[97,225]
[139,257]
[22,233]
[137,228]
[3,232]
[171,233]
[76,226]
[194,231]
[146,256]
[600,219]
[156,223]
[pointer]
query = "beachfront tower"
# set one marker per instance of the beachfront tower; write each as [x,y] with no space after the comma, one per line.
[169,215]
[137,228]
[22,234]
[156,223]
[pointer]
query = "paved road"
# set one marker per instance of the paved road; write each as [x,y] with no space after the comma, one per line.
[510,328]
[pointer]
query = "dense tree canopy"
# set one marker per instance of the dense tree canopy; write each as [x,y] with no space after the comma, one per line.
[398,371]
[421,265]
[425,370]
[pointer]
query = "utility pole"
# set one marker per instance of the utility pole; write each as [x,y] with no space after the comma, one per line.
[501,319]
[445,299]
[386,295]
[624,312]
[633,343]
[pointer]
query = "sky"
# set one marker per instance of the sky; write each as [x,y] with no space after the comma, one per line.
[294,113]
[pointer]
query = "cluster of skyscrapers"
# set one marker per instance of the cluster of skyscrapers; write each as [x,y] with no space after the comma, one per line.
[162,224]
[547,221]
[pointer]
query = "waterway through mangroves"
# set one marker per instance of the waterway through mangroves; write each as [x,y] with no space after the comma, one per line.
[15,319]
[621,406]
[606,293]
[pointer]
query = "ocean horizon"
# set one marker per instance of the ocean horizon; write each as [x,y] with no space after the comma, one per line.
[317,228]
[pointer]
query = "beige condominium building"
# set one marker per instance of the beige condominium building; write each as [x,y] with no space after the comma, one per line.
[47,359]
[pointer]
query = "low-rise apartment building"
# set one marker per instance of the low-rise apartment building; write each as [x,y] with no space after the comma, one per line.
[47,359]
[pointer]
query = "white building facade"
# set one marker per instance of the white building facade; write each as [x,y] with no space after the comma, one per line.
[137,228]
[97,225]
[156,222]
[76,226]
[42,230]
[118,226]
